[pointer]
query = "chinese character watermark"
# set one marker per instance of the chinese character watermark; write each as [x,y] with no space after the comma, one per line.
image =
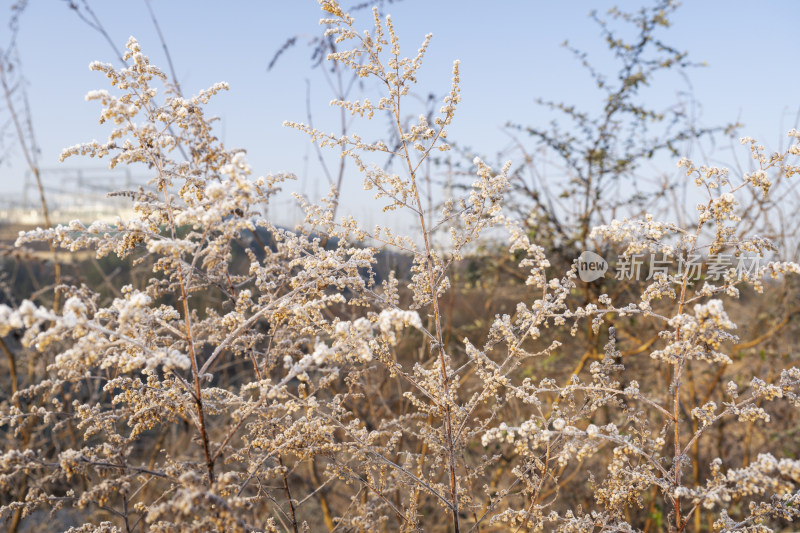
[592,266]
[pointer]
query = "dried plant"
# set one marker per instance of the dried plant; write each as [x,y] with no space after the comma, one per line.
[264,379]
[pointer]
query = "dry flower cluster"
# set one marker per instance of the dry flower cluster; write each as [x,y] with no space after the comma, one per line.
[296,391]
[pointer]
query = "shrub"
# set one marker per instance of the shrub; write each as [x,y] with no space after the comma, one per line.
[296,391]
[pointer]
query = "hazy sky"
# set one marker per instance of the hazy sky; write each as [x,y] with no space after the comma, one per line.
[510,54]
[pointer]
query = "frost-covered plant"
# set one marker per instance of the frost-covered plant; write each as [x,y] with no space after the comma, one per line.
[264,380]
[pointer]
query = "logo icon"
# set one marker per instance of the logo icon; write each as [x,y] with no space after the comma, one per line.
[591,266]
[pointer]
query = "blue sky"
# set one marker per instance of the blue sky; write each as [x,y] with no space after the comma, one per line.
[510,54]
